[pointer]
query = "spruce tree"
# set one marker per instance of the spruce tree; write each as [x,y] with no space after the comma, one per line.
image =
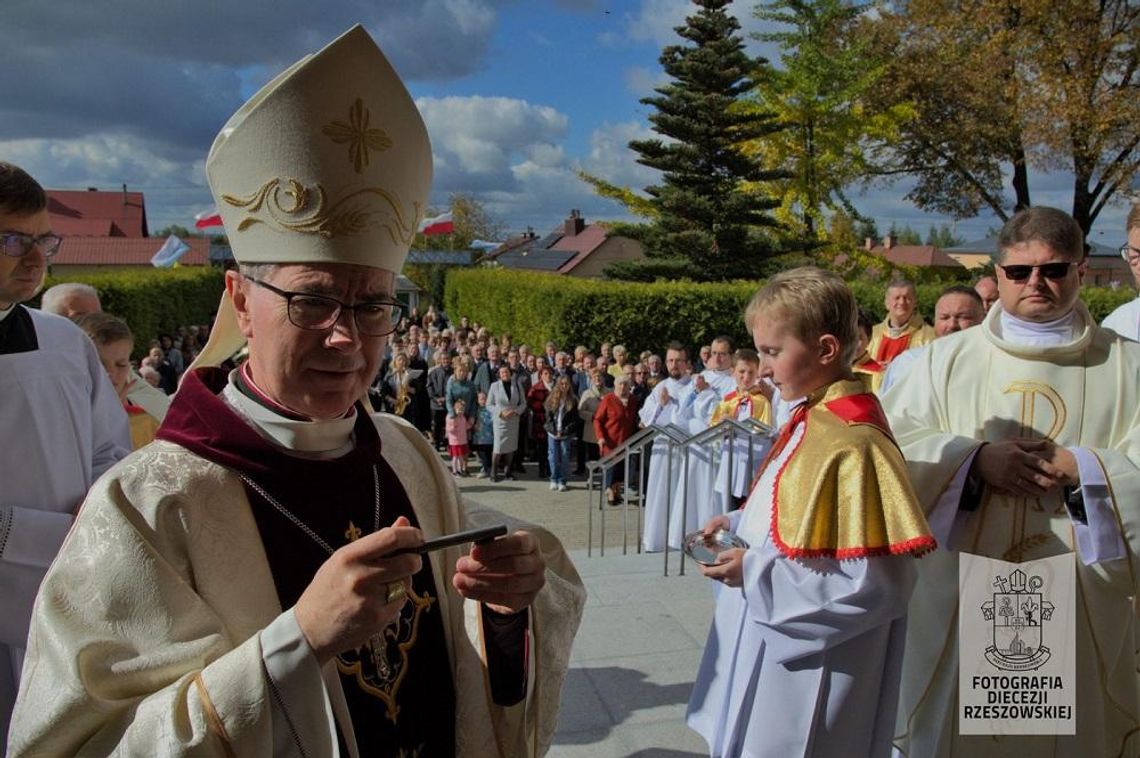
[710,210]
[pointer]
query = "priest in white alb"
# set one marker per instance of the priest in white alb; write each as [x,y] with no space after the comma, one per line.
[1022,439]
[695,500]
[1125,320]
[662,408]
[248,584]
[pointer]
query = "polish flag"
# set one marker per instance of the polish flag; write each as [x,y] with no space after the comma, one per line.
[441,224]
[209,218]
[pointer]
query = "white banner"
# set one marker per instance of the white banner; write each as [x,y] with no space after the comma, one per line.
[1017,646]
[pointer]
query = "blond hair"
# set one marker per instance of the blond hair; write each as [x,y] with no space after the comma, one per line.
[813,302]
[1133,221]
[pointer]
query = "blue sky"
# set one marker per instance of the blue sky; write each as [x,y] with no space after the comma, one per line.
[517,96]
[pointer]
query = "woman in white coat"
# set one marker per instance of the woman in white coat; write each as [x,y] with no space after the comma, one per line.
[507,402]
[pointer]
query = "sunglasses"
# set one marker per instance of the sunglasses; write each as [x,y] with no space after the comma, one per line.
[1054,271]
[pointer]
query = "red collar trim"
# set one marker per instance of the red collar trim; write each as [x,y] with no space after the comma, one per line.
[863,408]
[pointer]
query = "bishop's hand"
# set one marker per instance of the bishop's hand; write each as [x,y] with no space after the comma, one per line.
[505,574]
[347,600]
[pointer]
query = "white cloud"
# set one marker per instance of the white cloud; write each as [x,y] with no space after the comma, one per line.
[656,20]
[611,159]
[642,82]
[478,139]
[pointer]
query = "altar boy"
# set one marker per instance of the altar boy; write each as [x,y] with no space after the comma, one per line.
[748,401]
[804,652]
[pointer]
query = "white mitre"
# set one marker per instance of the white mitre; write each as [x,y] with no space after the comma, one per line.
[328,163]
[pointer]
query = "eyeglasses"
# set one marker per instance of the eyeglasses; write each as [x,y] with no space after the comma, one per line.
[1054,271]
[17,245]
[375,318]
[1129,254]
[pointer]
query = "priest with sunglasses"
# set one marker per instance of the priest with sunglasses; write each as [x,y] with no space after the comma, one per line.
[1022,437]
[250,583]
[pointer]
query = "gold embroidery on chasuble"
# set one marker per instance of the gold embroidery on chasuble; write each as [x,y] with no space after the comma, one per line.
[380,669]
[1029,531]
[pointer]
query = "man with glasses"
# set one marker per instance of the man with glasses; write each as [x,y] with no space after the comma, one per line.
[1125,320]
[64,426]
[249,583]
[1022,438]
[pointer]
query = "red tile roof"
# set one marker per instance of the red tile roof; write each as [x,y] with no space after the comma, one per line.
[125,251]
[916,255]
[583,243]
[97,213]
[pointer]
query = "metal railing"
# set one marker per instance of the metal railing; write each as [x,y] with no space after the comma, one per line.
[678,448]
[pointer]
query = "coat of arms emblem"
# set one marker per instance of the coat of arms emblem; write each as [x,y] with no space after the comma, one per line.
[1017,613]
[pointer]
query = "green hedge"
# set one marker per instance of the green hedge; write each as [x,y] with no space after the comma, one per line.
[536,307]
[153,301]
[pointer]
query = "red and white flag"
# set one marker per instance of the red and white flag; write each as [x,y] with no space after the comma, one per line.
[441,224]
[209,218]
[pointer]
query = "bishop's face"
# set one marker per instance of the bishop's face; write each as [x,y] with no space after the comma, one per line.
[1038,298]
[319,373]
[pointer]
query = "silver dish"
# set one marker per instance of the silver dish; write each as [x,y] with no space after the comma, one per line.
[705,549]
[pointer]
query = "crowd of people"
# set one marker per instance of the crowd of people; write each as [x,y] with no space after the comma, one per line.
[517,404]
[262,578]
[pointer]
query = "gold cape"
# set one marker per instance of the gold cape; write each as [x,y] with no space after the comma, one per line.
[761,409]
[844,491]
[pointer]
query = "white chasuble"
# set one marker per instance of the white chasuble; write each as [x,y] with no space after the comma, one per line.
[1084,394]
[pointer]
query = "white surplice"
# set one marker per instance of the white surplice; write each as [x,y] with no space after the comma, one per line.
[1078,385]
[1125,320]
[64,428]
[695,500]
[803,660]
[665,462]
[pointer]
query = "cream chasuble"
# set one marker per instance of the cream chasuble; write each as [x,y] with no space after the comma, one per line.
[148,633]
[1084,393]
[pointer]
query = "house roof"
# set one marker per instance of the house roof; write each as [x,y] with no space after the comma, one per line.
[557,251]
[444,257]
[124,251]
[535,259]
[582,244]
[989,246]
[916,255]
[96,213]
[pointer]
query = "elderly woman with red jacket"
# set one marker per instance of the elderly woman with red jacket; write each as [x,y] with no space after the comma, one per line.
[615,421]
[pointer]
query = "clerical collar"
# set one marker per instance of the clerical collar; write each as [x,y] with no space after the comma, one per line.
[5,312]
[1045,334]
[329,438]
[897,331]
